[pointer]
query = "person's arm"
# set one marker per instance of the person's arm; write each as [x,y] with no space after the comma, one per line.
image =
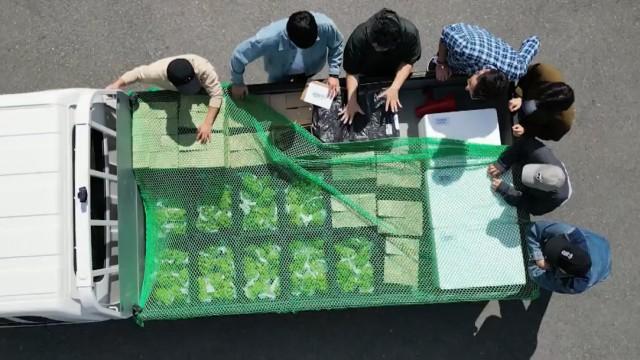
[392,94]
[153,72]
[509,193]
[537,266]
[245,53]
[508,157]
[442,67]
[443,52]
[204,130]
[335,49]
[349,112]
[547,279]
[450,44]
[410,51]
[528,51]
[116,85]
[535,237]
[524,84]
[211,84]
[353,59]
[335,52]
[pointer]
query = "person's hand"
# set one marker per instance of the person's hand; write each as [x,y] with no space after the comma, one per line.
[443,72]
[238,92]
[542,264]
[393,100]
[349,112]
[116,85]
[515,104]
[204,133]
[334,86]
[495,183]
[493,171]
[517,130]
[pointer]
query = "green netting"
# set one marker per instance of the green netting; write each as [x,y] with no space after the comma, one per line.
[265,218]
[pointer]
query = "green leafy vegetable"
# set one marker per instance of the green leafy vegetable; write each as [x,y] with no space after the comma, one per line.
[308,268]
[217,270]
[213,218]
[172,277]
[171,220]
[258,203]
[354,269]
[215,287]
[305,204]
[261,265]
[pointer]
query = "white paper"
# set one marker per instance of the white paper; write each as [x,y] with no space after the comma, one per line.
[318,94]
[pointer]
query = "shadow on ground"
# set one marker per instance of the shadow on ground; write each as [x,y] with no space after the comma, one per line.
[428,331]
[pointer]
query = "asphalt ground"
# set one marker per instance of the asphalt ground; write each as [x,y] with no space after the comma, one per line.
[66,43]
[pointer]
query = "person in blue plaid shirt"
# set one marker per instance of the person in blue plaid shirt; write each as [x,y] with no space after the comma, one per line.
[488,60]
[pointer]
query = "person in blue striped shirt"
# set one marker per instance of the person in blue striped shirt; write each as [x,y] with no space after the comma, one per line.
[490,62]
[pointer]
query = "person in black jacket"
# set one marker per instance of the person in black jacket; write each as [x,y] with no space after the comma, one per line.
[544,178]
[385,45]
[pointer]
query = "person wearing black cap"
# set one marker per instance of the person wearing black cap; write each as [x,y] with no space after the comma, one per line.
[385,45]
[567,259]
[293,49]
[544,178]
[187,74]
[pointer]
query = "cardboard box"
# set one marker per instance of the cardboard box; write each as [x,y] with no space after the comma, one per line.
[188,142]
[291,107]
[401,261]
[345,217]
[200,159]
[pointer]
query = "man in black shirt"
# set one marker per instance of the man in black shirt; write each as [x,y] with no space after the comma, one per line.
[545,180]
[384,45]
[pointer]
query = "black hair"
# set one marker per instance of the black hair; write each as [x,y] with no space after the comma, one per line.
[491,85]
[302,29]
[384,29]
[555,96]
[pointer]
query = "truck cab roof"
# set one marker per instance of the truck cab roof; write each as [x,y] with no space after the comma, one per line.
[36,223]
[39,266]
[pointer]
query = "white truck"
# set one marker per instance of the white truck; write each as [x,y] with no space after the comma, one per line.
[72,234]
[63,190]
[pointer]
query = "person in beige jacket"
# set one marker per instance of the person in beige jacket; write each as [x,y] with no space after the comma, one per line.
[184,73]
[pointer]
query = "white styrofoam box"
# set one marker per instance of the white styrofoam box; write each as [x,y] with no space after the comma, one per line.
[474,126]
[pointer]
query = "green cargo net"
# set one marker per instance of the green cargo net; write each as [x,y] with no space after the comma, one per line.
[266,218]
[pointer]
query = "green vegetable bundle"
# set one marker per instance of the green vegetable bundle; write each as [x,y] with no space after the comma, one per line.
[217,270]
[354,269]
[308,268]
[213,218]
[261,267]
[172,277]
[305,204]
[172,221]
[258,203]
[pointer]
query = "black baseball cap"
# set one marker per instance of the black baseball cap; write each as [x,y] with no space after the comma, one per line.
[569,257]
[181,74]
